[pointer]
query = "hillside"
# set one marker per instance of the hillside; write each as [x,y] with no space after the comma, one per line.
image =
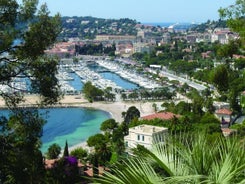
[88,27]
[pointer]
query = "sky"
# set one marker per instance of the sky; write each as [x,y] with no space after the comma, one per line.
[143,11]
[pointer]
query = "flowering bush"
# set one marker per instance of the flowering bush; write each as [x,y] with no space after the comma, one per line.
[71,160]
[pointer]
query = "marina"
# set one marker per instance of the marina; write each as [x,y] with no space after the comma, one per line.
[72,77]
[99,78]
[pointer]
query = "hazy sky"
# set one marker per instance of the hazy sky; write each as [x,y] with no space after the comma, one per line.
[141,10]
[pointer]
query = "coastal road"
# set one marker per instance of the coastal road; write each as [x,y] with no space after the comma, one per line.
[170,76]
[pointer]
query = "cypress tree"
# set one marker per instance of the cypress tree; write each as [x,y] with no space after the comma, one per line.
[66,151]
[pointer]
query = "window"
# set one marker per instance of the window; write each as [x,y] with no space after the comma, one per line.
[138,137]
[143,138]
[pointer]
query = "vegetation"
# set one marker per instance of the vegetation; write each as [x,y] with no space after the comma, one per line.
[91,92]
[183,160]
[132,113]
[79,153]
[35,34]
[96,49]
[53,151]
[89,27]
[21,159]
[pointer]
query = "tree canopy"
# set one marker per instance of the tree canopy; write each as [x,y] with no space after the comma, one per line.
[235,17]
[54,151]
[25,33]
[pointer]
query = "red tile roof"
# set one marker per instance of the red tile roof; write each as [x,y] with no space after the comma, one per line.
[224,111]
[160,115]
[227,131]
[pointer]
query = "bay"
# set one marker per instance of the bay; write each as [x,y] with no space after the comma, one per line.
[73,125]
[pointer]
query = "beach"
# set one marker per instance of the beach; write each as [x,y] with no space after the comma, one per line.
[114,108]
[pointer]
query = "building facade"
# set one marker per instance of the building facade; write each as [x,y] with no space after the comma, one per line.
[145,135]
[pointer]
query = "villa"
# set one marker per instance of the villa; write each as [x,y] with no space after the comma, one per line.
[145,135]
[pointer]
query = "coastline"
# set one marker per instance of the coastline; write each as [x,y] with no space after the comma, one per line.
[114,108]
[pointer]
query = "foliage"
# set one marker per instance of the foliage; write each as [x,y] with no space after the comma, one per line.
[227,50]
[25,32]
[96,49]
[91,92]
[35,34]
[79,153]
[65,170]
[53,151]
[88,27]
[131,113]
[102,148]
[240,129]
[220,78]
[235,17]
[108,125]
[108,94]
[183,160]
[21,159]
[66,151]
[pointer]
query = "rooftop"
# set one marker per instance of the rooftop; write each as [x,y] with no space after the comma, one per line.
[149,129]
[160,115]
[224,111]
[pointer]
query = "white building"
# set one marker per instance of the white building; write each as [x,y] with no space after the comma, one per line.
[145,135]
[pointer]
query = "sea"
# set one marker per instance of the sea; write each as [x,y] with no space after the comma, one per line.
[178,26]
[75,125]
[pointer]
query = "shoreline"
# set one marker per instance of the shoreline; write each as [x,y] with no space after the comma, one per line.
[115,109]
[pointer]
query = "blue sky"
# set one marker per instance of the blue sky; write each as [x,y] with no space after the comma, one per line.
[141,10]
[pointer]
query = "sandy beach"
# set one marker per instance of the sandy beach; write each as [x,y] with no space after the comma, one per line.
[114,108]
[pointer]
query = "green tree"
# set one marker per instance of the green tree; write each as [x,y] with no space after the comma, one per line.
[91,92]
[79,153]
[108,125]
[227,50]
[53,151]
[36,31]
[21,159]
[66,150]
[234,15]
[131,113]
[220,78]
[102,148]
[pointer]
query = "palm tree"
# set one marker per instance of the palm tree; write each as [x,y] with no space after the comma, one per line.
[188,159]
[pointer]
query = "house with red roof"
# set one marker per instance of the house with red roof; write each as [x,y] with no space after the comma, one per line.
[225,116]
[161,115]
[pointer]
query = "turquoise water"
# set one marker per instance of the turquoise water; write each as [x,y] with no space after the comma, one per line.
[72,124]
